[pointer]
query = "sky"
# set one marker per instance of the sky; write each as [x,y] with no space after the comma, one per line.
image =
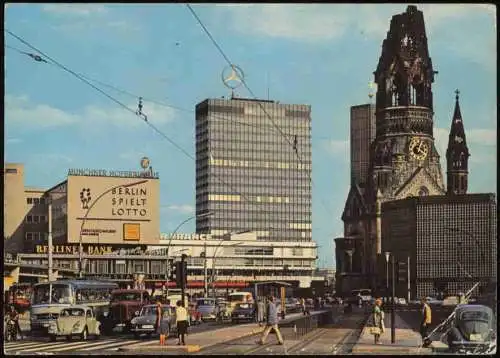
[323,55]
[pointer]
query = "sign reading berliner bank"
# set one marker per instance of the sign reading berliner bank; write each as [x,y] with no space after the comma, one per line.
[112,207]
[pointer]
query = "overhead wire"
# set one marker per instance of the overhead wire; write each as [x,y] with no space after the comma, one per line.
[117,89]
[121,104]
[231,64]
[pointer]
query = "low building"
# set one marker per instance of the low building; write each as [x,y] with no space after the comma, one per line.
[450,242]
[233,263]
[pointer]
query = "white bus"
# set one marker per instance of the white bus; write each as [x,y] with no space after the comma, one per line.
[49,298]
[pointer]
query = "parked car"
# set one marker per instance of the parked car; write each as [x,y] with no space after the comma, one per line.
[194,316]
[145,320]
[207,308]
[473,330]
[124,303]
[243,312]
[292,305]
[77,320]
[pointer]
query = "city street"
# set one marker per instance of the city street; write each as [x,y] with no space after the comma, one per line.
[109,344]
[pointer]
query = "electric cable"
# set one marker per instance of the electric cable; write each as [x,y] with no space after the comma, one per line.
[121,104]
[226,58]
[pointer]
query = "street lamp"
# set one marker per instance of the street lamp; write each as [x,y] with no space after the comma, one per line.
[213,262]
[173,235]
[80,258]
[387,255]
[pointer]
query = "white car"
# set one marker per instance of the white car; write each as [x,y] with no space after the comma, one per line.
[76,320]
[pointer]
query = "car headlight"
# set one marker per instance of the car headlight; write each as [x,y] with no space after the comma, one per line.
[133,321]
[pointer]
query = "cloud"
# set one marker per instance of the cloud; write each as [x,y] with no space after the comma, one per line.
[77,10]
[184,209]
[337,147]
[13,141]
[319,23]
[479,142]
[20,111]
[482,136]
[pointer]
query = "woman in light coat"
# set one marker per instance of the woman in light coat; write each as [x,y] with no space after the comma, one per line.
[378,319]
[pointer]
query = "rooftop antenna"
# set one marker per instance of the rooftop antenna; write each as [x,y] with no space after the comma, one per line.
[268,85]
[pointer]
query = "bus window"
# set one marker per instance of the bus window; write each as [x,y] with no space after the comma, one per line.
[60,294]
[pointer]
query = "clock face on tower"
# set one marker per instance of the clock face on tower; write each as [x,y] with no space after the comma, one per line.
[418,149]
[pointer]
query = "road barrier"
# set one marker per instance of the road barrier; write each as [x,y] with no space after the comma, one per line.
[305,324]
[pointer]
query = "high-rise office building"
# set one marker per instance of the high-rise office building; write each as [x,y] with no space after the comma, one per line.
[362,135]
[253,168]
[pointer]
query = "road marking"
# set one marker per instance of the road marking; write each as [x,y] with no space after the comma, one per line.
[114,345]
[76,345]
[44,346]
[21,344]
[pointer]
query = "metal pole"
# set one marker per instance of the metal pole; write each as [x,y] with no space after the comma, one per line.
[183,281]
[393,313]
[50,272]
[386,277]
[205,271]
[168,273]
[409,289]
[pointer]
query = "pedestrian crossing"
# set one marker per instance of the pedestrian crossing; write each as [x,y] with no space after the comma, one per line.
[61,347]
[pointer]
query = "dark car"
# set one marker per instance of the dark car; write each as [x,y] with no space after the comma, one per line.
[124,304]
[473,330]
[243,312]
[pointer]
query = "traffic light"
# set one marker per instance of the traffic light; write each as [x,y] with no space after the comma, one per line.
[402,271]
[181,273]
[172,270]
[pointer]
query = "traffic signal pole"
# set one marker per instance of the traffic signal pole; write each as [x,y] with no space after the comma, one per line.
[183,278]
[393,313]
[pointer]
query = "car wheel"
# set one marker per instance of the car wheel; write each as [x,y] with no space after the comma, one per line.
[52,338]
[68,338]
[137,335]
[84,334]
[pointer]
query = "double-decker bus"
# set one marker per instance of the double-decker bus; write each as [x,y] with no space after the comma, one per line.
[49,298]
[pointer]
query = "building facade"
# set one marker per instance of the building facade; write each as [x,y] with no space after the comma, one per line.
[403,157]
[450,242]
[362,133]
[91,207]
[253,169]
[231,263]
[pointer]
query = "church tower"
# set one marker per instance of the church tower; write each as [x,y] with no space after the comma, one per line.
[405,161]
[457,155]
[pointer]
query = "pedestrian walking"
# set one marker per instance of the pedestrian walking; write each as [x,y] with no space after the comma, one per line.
[165,325]
[182,323]
[159,314]
[303,305]
[13,327]
[271,322]
[426,321]
[378,321]
[260,312]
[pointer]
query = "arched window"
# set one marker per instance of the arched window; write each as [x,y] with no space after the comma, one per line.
[423,191]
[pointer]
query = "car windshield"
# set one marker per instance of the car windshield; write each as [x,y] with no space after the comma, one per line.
[61,293]
[72,312]
[126,296]
[148,311]
[205,302]
[474,316]
[233,298]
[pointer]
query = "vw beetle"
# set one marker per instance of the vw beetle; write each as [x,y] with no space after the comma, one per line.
[77,320]
[473,330]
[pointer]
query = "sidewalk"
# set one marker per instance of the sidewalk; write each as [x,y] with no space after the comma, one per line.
[407,340]
[197,341]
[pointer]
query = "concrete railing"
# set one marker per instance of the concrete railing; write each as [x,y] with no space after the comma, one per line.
[302,325]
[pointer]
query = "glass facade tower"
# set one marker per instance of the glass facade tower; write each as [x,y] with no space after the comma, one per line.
[249,175]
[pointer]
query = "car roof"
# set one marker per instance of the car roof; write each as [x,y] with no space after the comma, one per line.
[77,307]
[467,307]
